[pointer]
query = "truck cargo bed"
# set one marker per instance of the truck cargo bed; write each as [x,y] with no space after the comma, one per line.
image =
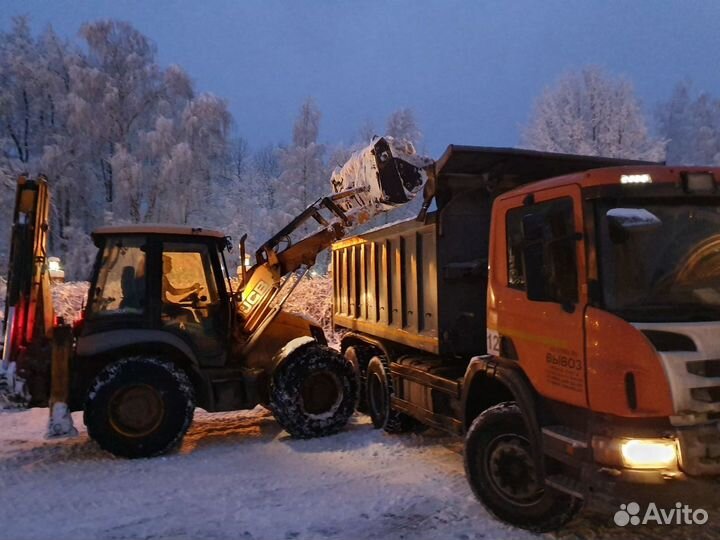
[385,284]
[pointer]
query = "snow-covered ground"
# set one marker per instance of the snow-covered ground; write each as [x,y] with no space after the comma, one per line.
[239,476]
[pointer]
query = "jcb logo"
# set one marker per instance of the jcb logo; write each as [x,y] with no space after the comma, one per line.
[254,296]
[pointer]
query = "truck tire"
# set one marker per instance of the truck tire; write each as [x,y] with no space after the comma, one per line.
[313,392]
[499,464]
[359,357]
[379,391]
[139,407]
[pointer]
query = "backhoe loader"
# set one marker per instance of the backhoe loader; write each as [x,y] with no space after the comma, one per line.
[164,330]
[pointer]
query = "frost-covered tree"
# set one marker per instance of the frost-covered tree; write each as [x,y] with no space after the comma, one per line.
[590,112]
[303,176]
[120,138]
[401,124]
[691,125]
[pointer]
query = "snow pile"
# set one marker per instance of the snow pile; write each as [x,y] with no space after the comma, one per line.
[312,298]
[68,298]
[634,218]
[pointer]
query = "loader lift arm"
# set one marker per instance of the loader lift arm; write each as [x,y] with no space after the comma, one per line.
[376,179]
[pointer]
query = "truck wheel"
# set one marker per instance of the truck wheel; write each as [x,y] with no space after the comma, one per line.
[500,467]
[313,393]
[359,357]
[139,407]
[379,390]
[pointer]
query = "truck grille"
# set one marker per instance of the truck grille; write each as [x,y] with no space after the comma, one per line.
[710,394]
[704,368]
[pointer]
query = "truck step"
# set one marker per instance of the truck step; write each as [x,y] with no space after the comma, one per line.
[568,436]
[566,484]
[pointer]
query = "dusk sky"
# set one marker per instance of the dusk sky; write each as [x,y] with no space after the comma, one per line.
[469,70]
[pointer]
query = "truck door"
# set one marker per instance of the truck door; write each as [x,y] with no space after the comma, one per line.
[538,290]
[193,299]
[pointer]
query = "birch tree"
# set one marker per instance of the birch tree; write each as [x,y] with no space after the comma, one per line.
[591,113]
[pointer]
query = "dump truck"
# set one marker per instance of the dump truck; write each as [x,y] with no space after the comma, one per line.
[562,313]
[164,329]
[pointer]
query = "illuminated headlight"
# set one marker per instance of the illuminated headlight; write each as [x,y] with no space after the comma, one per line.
[54,266]
[635,453]
[649,453]
[635,179]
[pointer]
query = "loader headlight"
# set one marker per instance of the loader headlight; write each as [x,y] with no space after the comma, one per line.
[54,266]
[649,453]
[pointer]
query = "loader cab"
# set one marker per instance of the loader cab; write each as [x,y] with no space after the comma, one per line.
[161,284]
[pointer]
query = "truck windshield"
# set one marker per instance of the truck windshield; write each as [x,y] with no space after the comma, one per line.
[660,259]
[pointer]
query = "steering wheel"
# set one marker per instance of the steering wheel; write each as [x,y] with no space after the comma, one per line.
[191,297]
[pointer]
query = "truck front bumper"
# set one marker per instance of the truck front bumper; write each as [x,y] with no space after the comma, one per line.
[607,489]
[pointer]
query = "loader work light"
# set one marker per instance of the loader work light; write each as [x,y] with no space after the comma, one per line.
[635,179]
[649,453]
[698,182]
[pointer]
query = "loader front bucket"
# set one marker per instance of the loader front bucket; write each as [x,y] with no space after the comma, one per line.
[387,173]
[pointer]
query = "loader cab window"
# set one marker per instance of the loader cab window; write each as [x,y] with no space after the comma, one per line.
[541,248]
[120,285]
[186,274]
[191,305]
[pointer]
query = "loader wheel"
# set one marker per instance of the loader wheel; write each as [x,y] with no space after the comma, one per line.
[500,467]
[139,407]
[379,390]
[313,392]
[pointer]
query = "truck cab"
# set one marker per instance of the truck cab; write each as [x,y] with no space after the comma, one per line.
[559,311]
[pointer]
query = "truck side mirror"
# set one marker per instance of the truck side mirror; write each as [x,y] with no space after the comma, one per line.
[624,221]
[533,229]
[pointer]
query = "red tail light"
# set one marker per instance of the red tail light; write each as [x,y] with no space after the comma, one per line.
[78,323]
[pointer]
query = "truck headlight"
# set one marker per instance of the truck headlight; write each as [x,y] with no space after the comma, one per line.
[635,453]
[648,453]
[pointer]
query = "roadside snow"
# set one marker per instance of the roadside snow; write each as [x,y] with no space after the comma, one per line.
[238,475]
[68,298]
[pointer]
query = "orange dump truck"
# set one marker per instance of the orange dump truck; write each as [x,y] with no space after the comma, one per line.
[563,312]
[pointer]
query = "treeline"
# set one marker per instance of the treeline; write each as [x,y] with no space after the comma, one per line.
[594,113]
[123,139]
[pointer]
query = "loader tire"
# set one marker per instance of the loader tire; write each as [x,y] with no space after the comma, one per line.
[379,391]
[139,407]
[313,392]
[499,465]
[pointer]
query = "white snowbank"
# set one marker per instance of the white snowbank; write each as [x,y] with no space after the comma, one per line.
[68,298]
